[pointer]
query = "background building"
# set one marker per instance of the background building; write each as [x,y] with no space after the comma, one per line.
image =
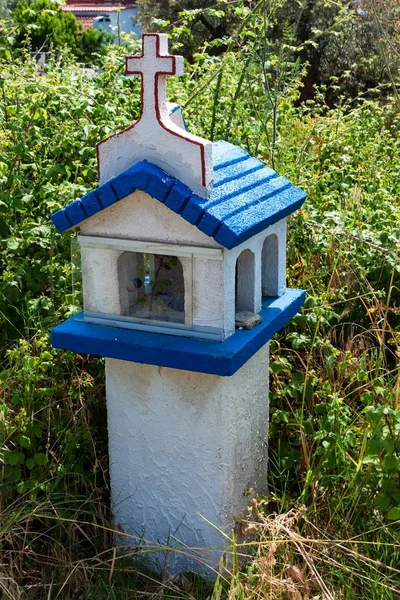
[107,15]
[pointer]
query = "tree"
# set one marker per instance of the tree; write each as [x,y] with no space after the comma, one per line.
[47,28]
[211,23]
[6,7]
[348,42]
[337,41]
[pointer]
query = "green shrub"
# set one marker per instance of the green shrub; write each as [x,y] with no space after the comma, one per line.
[46,28]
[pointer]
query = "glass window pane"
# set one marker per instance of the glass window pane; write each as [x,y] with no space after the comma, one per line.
[152,287]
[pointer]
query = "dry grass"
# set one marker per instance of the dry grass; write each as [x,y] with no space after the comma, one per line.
[45,556]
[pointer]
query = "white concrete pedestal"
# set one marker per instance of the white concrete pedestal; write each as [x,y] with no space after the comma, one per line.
[185,447]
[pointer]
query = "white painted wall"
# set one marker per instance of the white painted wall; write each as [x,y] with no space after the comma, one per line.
[127,21]
[176,115]
[183,445]
[271,276]
[208,293]
[141,217]
[100,280]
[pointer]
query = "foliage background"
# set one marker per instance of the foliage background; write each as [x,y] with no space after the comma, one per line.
[41,26]
[333,512]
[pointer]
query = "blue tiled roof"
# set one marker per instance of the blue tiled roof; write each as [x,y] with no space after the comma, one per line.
[246,198]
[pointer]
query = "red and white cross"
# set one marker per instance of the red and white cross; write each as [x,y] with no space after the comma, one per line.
[154,65]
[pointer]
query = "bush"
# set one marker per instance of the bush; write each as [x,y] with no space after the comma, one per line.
[44,27]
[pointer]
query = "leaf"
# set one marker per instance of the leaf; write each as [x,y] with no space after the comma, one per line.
[14,458]
[382,502]
[41,230]
[25,441]
[374,447]
[389,445]
[374,413]
[394,513]
[391,462]
[40,458]
[13,243]
[30,463]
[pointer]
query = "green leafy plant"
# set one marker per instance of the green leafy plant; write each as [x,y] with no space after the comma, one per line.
[46,28]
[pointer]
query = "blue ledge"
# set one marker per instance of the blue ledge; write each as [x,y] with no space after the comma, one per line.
[246,198]
[221,358]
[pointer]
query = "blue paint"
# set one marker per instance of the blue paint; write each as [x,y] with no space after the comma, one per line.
[222,358]
[106,194]
[247,197]
[159,184]
[61,221]
[261,188]
[225,154]
[178,196]
[248,181]
[245,224]
[91,204]
[127,182]
[76,211]
[236,170]
[194,209]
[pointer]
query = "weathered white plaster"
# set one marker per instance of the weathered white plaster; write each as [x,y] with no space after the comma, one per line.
[155,136]
[100,280]
[184,446]
[141,217]
[208,293]
[269,273]
[245,282]
[176,115]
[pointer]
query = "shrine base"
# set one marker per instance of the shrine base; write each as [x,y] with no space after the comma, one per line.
[187,453]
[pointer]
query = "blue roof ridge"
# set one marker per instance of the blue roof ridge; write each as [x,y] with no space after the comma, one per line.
[84,209]
[142,176]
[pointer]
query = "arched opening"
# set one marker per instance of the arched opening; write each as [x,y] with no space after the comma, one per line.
[245,278]
[151,286]
[270,266]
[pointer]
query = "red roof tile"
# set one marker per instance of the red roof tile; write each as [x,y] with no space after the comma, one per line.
[86,22]
[95,8]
